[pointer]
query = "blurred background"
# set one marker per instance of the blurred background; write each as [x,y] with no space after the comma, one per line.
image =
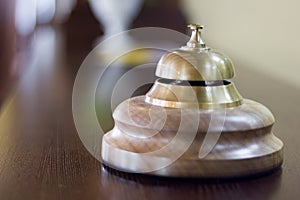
[262,36]
[259,35]
[44,42]
[43,35]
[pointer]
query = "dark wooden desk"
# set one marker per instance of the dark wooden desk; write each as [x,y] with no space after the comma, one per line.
[42,157]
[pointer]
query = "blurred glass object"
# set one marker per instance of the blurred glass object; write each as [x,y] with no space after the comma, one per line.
[45,10]
[25,17]
[29,13]
[115,15]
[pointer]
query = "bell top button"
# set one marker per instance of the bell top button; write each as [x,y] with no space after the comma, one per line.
[196,40]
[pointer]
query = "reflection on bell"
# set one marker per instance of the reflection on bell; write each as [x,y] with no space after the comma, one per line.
[193,122]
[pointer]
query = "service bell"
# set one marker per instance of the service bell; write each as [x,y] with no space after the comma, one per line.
[193,122]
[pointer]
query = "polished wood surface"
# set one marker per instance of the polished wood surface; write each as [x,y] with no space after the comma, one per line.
[42,157]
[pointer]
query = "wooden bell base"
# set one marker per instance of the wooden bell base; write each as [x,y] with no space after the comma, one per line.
[199,168]
[246,146]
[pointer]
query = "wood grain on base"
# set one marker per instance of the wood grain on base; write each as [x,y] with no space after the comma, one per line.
[244,142]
